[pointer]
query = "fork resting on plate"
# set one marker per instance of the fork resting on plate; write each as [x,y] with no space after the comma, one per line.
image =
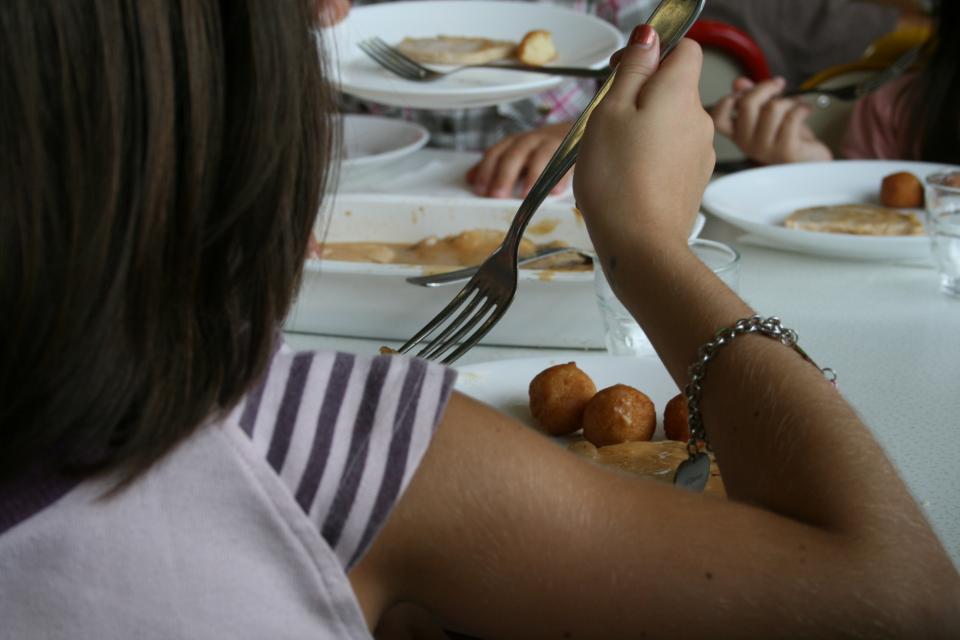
[398,63]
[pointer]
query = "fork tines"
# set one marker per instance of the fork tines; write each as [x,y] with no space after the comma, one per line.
[393,60]
[456,331]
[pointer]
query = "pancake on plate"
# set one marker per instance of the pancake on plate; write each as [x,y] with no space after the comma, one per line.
[856,219]
[456,49]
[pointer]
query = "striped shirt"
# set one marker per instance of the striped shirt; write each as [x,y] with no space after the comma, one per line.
[246,530]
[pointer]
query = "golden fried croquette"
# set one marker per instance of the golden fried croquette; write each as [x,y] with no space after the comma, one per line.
[558,396]
[901,190]
[675,416]
[619,414]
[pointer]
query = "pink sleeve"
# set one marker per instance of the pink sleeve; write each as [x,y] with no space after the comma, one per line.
[874,132]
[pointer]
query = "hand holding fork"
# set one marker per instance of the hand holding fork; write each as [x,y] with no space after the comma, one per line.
[486,297]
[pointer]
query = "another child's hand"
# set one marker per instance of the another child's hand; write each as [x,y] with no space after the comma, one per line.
[647,153]
[767,128]
[517,159]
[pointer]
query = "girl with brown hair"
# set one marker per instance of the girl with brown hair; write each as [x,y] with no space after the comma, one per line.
[169,469]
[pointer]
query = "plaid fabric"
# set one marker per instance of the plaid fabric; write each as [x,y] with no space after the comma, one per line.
[477,129]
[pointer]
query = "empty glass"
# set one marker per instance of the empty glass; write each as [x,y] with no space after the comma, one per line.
[622,335]
[943,225]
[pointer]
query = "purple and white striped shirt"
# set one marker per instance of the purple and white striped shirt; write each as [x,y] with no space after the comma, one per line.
[345,454]
[245,530]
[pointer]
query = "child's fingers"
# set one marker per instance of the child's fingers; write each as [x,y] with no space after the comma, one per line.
[749,106]
[679,74]
[791,130]
[637,63]
[722,114]
[510,165]
[770,122]
[742,84]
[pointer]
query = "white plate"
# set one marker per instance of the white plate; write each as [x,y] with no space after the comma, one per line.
[503,384]
[371,142]
[582,40]
[758,200]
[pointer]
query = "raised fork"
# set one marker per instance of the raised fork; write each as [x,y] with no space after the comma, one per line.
[488,294]
[396,62]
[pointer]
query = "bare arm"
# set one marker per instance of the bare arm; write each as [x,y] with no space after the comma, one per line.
[504,534]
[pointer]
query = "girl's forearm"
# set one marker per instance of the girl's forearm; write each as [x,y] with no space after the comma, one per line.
[784,437]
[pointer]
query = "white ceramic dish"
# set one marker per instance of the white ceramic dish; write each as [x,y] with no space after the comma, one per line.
[372,142]
[758,200]
[503,384]
[374,300]
[582,40]
[551,308]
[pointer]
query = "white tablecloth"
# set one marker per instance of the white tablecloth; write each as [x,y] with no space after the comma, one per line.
[891,335]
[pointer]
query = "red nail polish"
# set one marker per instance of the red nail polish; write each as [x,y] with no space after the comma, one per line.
[643,35]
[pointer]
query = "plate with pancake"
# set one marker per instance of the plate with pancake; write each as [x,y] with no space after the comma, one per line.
[824,208]
[463,27]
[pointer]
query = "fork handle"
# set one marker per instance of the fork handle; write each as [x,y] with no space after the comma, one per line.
[560,162]
[575,72]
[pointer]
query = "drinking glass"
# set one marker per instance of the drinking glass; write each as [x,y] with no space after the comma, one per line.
[943,226]
[622,335]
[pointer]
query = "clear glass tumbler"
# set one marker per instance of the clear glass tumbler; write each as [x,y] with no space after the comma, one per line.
[622,335]
[943,226]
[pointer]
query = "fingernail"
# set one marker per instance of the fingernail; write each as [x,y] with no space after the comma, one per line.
[500,193]
[780,80]
[643,36]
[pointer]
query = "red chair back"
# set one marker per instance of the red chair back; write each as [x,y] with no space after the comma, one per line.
[712,34]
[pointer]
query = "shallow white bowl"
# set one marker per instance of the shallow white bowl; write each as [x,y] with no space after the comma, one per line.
[372,142]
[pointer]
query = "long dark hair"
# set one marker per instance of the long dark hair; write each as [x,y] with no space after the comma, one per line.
[933,98]
[161,166]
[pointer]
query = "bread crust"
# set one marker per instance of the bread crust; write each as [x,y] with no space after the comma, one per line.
[537,48]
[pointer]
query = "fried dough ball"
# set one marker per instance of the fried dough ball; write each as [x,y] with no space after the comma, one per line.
[537,48]
[558,396]
[675,415]
[619,414]
[901,190]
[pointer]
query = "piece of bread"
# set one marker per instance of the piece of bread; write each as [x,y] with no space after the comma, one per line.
[902,189]
[856,219]
[536,48]
[456,49]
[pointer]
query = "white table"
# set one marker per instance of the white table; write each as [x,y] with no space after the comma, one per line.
[886,329]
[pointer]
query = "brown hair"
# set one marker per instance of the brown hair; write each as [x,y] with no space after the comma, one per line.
[161,167]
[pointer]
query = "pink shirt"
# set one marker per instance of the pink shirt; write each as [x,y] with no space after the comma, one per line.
[876,130]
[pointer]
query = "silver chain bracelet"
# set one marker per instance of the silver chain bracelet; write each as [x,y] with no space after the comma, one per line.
[694,472]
